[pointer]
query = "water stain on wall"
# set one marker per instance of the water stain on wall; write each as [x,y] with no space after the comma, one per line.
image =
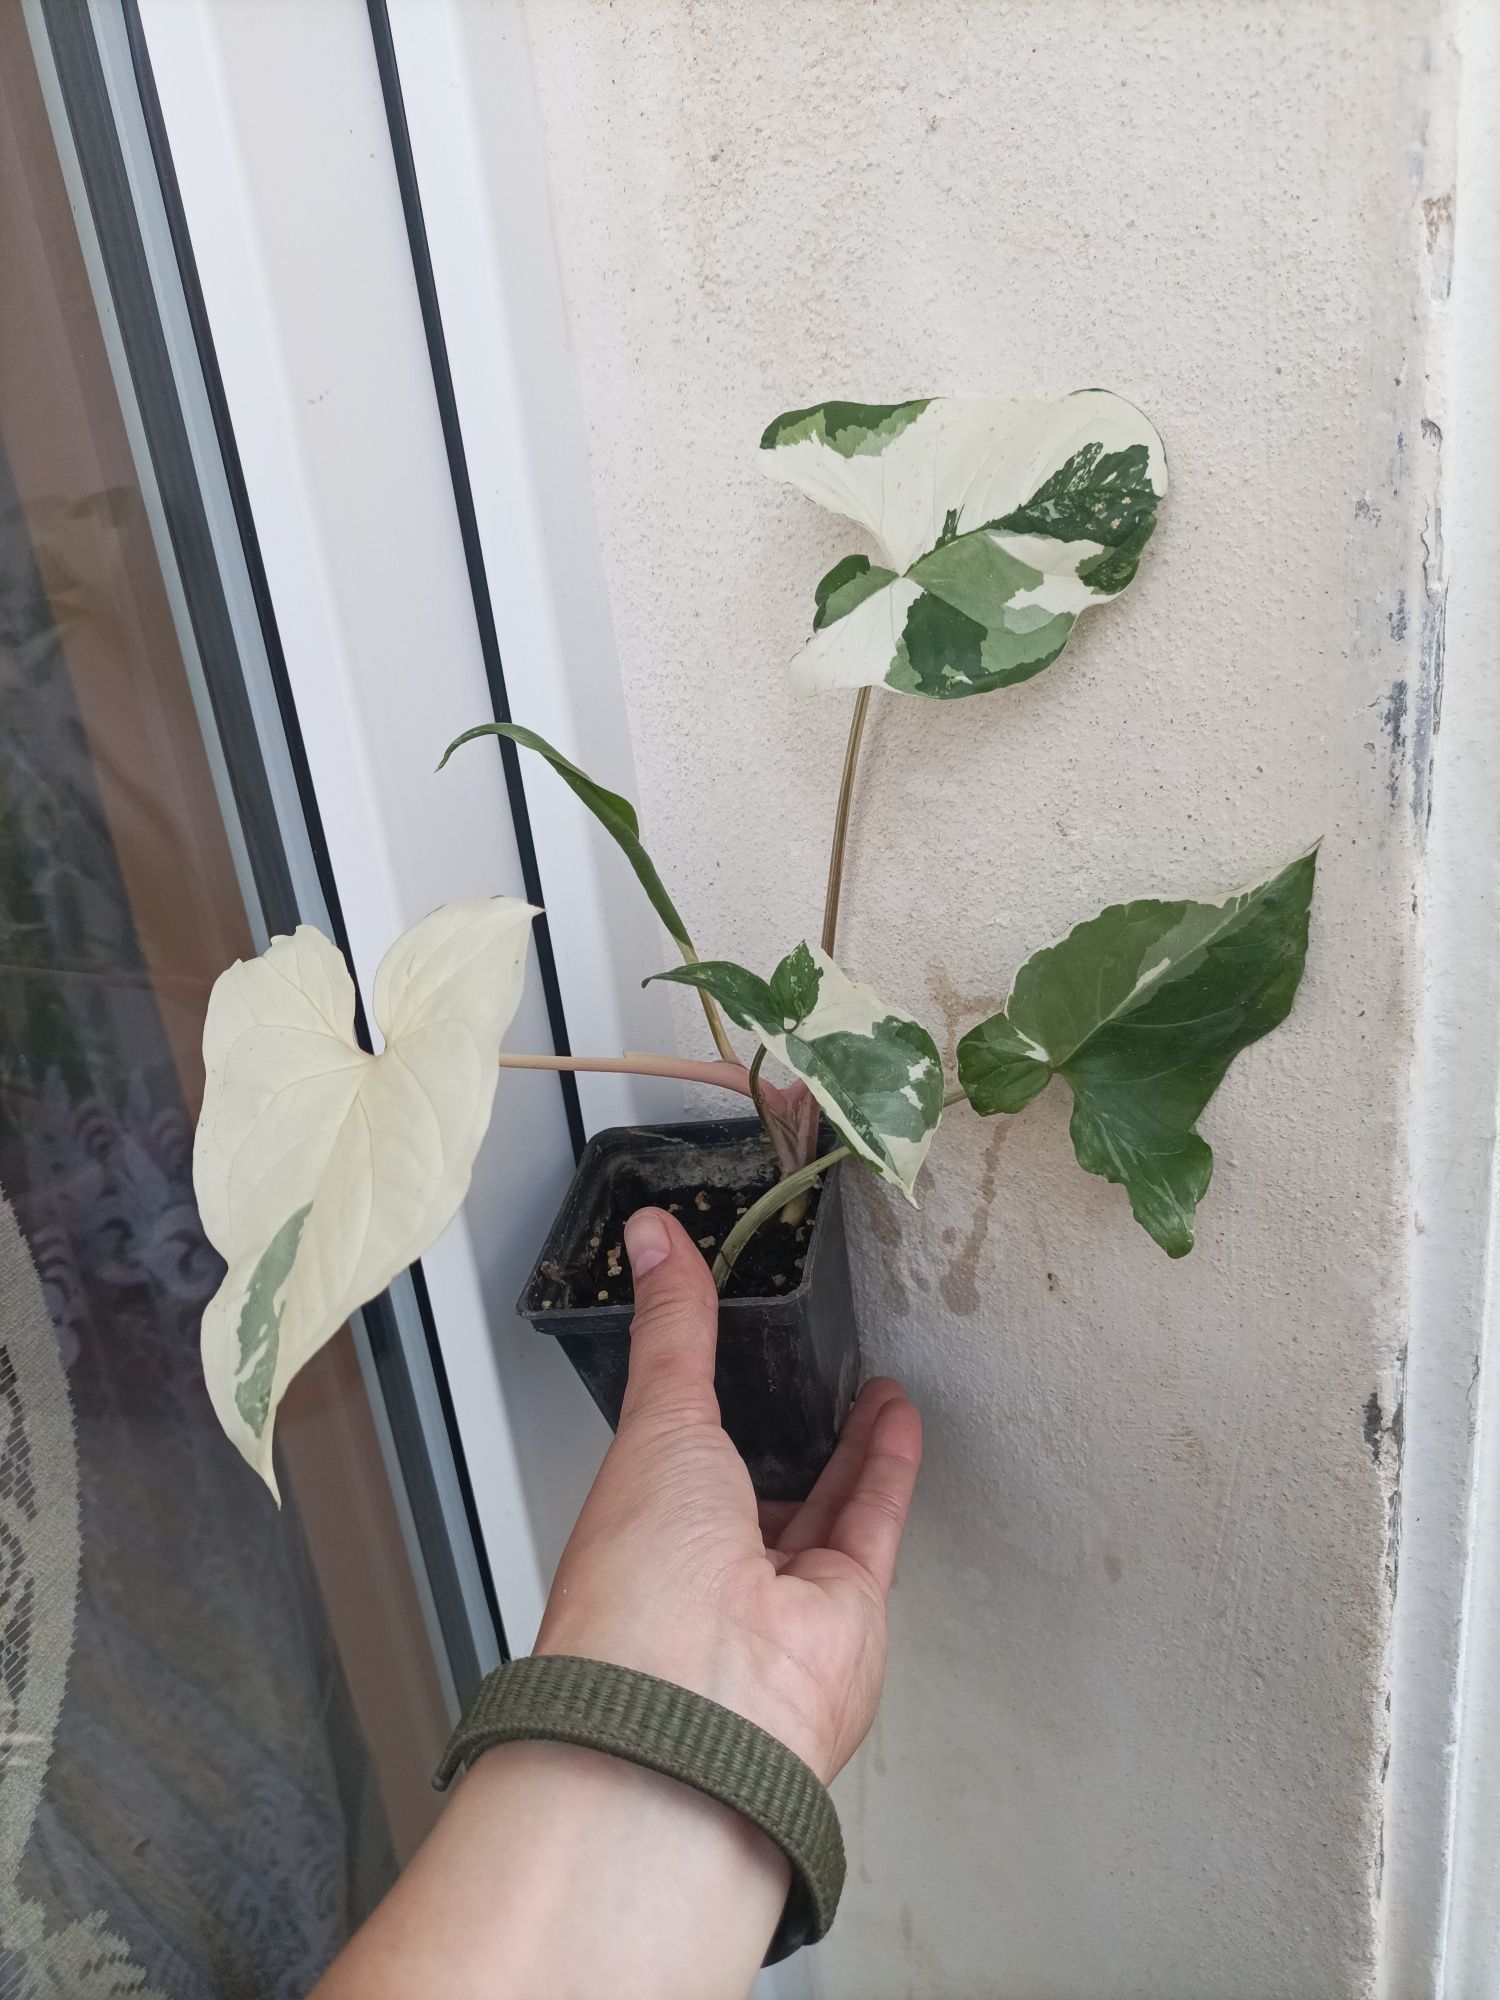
[958,1287]
[1188,1448]
[885,1227]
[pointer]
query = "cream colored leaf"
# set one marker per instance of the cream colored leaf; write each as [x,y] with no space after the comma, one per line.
[321,1170]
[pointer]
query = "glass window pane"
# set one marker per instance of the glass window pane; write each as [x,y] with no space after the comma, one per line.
[217,1719]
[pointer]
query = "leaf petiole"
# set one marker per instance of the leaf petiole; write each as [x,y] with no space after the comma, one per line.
[725,1075]
[835,886]
[773,1200]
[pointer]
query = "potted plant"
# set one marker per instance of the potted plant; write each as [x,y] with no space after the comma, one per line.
[322,1170]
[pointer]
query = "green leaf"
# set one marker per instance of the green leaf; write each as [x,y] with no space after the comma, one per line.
[875,1071]
[260,1322]
[1097,496]
[846,587]
[1001,523]
[745,997]
[979,623]
[847,428]
[795,984]
[1142,1009]
[615,814]
[1112,569]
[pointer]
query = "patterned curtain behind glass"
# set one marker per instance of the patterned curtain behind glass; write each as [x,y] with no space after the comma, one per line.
[206,1790]
[201,1812]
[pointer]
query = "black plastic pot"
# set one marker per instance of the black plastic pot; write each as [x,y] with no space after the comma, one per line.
[788,1364]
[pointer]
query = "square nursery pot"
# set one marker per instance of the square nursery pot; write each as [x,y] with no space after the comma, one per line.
[788,1362]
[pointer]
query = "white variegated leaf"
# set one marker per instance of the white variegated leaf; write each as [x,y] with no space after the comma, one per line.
[321,1170]
[874,1070]
[998,521]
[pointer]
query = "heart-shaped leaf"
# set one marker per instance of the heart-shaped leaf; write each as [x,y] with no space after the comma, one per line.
[1142,1009]
[875,1071]
[321,1170]
[1000,522]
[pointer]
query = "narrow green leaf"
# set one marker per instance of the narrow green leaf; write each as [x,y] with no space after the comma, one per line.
[875,1071]
[615,814]
[1142,1009]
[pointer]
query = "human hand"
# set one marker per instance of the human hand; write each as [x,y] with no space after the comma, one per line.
[776,1611]
[556,1870]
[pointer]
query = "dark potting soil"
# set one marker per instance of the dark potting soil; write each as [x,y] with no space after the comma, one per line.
[769,1266]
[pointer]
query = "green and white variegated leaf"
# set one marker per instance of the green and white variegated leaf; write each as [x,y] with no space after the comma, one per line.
[998,523]
[875,1071]
[321,1170]
[1142,1009]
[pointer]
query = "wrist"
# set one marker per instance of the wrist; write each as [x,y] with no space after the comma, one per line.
[636,1812]
[558,1869]
[684,1736]
[763,1683]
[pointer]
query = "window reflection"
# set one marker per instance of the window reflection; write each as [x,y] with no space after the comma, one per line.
[215,1718]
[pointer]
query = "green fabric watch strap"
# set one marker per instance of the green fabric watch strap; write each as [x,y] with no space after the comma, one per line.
[666,1728]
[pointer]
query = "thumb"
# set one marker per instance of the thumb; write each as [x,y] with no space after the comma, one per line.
[675,1331]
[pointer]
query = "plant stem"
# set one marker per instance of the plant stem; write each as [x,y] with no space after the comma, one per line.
[730,1075]
[796,1208]
[841,821]
[770,1202]
[711,1013]
[799,1205]
[753,1077]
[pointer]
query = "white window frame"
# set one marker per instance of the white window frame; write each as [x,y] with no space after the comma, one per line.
[1446,1708]
[278,137]
[277,121]
[1440,1886]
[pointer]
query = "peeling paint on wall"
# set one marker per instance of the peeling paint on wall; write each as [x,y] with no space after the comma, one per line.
[1437,222]
[1428,708]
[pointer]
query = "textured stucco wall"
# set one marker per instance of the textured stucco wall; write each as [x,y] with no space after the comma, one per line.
[1135,1725]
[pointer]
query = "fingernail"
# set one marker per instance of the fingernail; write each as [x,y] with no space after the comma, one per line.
[646,1240]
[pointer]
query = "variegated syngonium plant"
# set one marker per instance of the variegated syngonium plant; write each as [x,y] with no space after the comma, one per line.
[998,523]
[322,1170]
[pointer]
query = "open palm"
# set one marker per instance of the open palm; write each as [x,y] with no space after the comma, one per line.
[776,1610]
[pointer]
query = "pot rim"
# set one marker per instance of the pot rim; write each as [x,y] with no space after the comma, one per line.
[621,1136]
